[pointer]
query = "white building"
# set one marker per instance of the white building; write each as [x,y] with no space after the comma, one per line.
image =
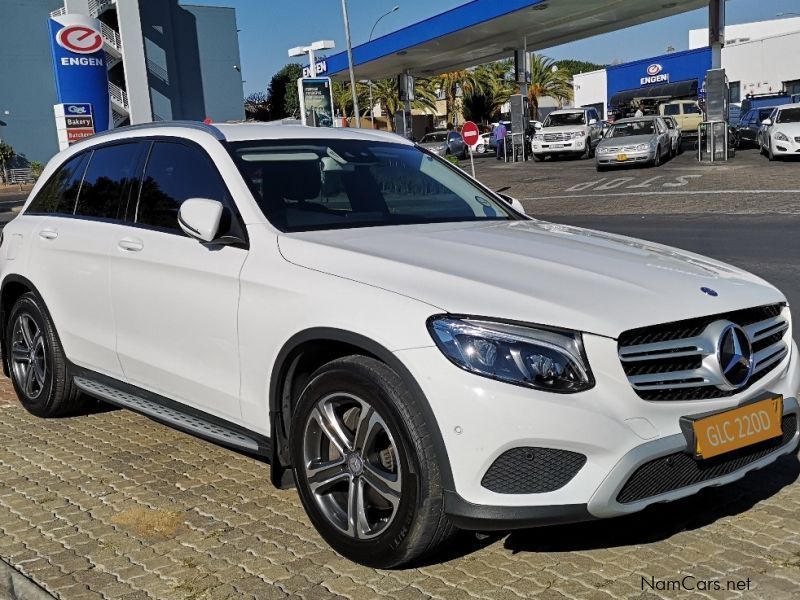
[759,58]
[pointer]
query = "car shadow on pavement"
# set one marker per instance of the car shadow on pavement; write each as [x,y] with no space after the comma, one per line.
[661,521]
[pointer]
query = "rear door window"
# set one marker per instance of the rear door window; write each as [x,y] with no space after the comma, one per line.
[112,173]
[59,194]
[672,109]
[691,109]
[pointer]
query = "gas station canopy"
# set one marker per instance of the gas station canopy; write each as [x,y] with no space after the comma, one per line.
[482,31]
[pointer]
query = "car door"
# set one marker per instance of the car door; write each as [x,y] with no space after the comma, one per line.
[175,299]
[456,143]
[596,128]
[664,140]
[70,263]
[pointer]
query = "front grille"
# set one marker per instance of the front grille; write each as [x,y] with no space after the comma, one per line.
[532,470]
[797,139]
[675,361]
[557,137]
[680,470]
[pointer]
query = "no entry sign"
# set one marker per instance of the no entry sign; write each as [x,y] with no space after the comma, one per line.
[470,133]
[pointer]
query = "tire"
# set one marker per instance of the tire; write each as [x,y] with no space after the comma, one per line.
[37,364]
[587,151]
[657,159]
[480,149]
[405,519]
[539,157]
[770,153]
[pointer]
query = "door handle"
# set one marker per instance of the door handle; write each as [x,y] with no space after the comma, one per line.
[130,244]
[48,234]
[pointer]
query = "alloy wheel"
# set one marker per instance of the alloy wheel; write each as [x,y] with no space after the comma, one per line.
[28,356]
[352,465]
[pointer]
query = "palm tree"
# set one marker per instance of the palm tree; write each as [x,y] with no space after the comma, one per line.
[547,79]
[343,99]
[385,95]
[496,85]
[453,82]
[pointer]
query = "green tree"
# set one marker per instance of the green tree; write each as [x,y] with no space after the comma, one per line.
[385,94]
[343,98]
[496,87]
[6,154]
[36,168]
[547,79]
[453,85]
[572,67]
[282,97]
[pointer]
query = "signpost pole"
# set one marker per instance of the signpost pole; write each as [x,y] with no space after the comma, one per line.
[472,162]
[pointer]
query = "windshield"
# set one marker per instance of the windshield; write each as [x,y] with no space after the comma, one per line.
[789,115]
[632,128]
[434,137]
[303,185]
[562,119]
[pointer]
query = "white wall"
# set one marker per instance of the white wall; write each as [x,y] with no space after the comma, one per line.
[763,65]
[735,34]
[590,88]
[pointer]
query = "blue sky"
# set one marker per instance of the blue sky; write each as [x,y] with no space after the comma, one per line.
[268,28]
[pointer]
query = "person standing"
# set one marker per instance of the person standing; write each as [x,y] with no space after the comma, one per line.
[639,112]
[499,135]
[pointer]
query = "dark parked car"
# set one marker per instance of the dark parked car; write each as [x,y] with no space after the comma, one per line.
[750,123]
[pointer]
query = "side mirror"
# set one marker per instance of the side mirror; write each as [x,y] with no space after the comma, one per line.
[537,125]
[515,204]
[199,218]
[766,122]
[592,121]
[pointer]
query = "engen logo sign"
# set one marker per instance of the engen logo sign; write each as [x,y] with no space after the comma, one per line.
[654,75]
[80,39]
[81,76]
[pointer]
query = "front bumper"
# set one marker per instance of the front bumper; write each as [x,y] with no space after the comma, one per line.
[613,158]
[577,145]
[615,430]
[786,148]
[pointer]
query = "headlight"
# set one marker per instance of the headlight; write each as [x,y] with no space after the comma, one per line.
[537,358]
[642,147]
[781,136]
[603,150]
[538,137]
[576,134]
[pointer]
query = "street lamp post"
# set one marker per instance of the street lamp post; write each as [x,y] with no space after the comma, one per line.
[350,62]
[372,31]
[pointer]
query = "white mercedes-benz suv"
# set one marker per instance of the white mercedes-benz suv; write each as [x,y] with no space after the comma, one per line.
[409,351]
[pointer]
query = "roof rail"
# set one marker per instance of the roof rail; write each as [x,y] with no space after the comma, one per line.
[200,126]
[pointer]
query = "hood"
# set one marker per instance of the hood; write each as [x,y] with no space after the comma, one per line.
[562,129]
[787,128]
[532,271]
[630,140]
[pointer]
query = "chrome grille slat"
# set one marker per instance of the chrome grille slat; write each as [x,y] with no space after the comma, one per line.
[682,363]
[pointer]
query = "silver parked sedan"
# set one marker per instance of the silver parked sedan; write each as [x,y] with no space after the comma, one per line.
[445,143]
[636,140]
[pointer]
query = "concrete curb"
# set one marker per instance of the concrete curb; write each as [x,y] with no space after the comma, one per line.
[15,586]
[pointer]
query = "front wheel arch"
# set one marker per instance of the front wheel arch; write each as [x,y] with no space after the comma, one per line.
[345,342]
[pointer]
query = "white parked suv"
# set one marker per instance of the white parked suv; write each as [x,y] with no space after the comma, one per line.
[780,133]
[572,131]
[409,351]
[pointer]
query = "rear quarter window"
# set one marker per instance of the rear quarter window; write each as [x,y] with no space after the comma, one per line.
[59,194]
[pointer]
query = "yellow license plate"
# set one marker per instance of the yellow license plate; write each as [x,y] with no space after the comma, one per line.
[737,428]
[622,157]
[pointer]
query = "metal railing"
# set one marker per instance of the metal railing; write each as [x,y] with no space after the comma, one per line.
[96,7]
[118,95]
[111,36]
[157,71]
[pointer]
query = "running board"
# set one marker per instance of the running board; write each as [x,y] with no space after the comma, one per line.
[171,413]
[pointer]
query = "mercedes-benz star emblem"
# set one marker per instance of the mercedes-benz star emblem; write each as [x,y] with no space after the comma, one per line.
[735,355]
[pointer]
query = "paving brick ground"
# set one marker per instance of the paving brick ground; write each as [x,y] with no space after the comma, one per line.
[112,505]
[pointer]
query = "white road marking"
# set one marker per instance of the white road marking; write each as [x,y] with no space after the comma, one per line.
[665,193]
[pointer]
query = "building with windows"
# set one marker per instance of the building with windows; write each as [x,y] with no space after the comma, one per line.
[165,61]
[754,58]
